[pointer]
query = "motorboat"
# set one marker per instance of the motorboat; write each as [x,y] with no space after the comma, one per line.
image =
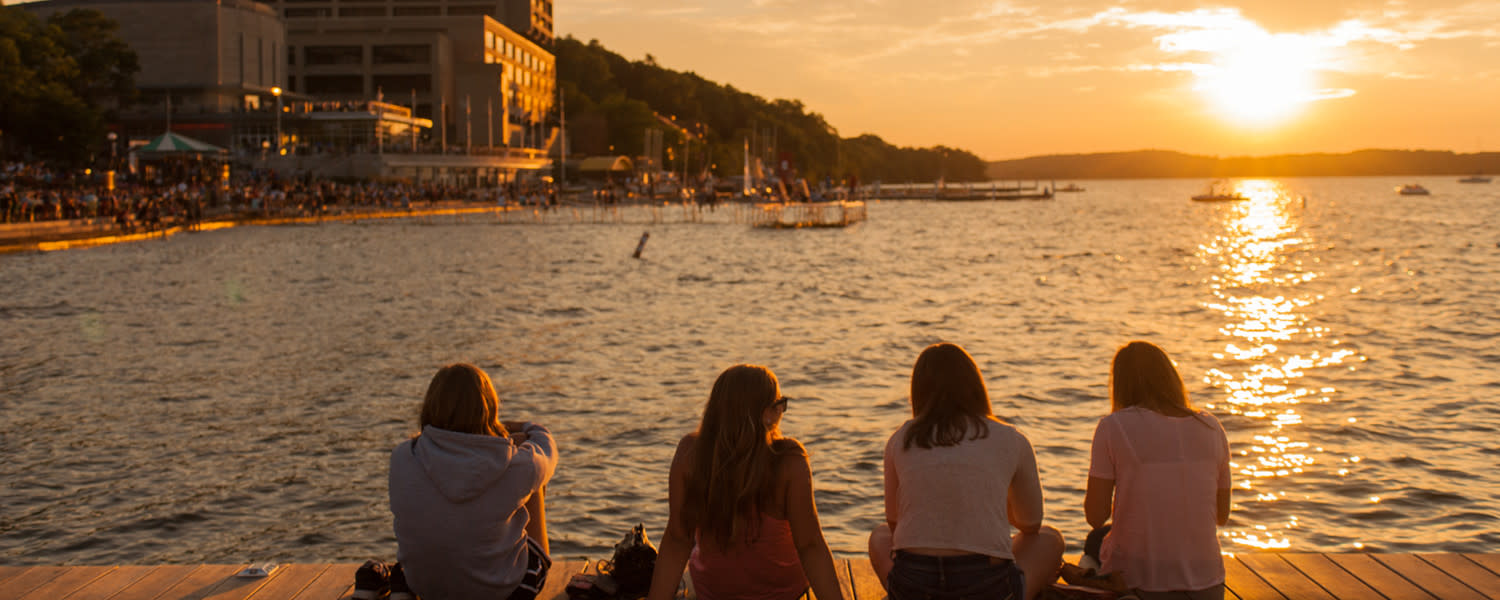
[1475,179]
[1220,191]
[1072,187]
[1412,189]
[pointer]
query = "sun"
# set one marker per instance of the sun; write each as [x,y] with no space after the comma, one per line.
[1259,85]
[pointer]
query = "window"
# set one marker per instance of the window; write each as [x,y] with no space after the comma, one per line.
[403,54]
[291,56]
[489,40]
[419,11]
[395,85]
[483,9]
[335,84]
[362,11]
[333,55]
[308,13]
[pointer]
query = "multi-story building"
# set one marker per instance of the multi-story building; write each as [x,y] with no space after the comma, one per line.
[210,68]
[482,71]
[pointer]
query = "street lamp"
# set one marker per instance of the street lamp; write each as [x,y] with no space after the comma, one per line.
[276,91]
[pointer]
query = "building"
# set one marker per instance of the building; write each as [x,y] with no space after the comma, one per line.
[214,64]
[483,72]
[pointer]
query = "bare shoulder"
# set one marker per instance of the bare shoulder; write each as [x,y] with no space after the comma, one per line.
[792,461]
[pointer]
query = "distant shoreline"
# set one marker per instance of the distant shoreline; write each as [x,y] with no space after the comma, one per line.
[1164,164]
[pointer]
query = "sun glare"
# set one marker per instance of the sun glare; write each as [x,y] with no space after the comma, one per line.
[1259,85]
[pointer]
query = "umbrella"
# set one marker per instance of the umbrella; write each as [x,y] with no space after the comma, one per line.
[172,143]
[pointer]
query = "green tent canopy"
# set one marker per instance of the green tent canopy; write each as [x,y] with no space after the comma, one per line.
[171,143]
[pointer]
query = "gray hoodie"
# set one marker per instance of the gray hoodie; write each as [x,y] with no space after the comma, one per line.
[459,505]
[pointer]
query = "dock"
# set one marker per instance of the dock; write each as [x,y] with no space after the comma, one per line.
[1259,576]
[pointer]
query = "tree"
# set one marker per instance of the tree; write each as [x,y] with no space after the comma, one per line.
[57,79]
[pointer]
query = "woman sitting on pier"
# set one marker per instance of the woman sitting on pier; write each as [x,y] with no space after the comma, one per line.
[741,506]
[957,479]
[466,493]
[1162,470]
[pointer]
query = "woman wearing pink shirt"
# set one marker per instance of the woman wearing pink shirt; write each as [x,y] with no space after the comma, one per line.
[1161,469]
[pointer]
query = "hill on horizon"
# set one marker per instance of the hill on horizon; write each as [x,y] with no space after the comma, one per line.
[1143,164]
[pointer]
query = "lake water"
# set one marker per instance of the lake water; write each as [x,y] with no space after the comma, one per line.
[234,395]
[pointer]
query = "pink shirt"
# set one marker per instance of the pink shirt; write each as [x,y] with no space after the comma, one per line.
[765,568]
[1167,473]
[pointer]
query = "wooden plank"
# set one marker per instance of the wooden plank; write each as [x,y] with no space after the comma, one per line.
[1378,577]
[157,581]
[1245,584]
[864,581]
[1339,583]
[199,584]
[1281,575]
[287,581]
[28,580]
[1428,577]
[557,579]
[7,572]
[1482,580]
[112,583]
[1490,562]
[335,583]
[71,580]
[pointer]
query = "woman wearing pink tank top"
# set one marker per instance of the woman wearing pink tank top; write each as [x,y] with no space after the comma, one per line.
[741,505]
[1161,470]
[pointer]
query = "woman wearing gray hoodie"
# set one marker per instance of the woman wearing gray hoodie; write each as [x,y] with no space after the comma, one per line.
[466,494]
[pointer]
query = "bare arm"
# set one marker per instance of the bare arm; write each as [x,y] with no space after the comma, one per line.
[1098,501]
[892,491]
[807,534]
[676,541]
[1222,508]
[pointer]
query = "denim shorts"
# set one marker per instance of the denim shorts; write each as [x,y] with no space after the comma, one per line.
[967,577]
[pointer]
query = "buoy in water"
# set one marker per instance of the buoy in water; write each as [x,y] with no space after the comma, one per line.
[641,246]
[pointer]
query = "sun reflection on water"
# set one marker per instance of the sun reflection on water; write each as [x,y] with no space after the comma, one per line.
[1255,283]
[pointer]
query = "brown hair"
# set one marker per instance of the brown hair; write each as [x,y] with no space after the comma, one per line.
[949,402]
[461,398]
[732,477]
[1142,375]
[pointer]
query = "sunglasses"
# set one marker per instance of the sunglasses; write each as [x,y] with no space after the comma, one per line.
[780,403]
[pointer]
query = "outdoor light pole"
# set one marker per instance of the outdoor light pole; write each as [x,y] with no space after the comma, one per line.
[276,91]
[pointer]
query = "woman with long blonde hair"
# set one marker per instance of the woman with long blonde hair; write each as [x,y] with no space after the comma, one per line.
[957,479]
[742,516]
[1160,468]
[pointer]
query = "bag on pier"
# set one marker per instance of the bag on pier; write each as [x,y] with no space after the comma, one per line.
[633,563]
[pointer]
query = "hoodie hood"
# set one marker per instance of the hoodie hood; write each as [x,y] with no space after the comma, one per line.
[462,465]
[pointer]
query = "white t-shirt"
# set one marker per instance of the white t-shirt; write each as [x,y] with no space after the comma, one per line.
[955,497]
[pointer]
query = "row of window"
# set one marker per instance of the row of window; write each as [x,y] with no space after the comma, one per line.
[504,48]
[380,11]
[389,54]
[346,85]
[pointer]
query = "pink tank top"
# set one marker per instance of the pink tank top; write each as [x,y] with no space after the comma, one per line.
[766,568]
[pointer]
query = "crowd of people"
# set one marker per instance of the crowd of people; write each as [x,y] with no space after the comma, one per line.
[186,191]
[964,513]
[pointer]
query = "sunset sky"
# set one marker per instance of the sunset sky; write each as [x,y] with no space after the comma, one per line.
[1009,79]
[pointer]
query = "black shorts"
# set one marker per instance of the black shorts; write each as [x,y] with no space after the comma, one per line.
[537,566]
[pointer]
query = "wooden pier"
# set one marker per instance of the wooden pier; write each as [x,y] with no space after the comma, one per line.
[1262,576]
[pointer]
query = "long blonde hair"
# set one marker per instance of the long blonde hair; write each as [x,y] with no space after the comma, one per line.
[1143,375]
[732,477]
[461,398]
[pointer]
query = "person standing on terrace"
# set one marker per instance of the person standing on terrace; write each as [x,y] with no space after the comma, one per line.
[740,496]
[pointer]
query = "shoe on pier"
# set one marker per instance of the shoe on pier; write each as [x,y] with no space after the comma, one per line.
[399,589]
[372,580]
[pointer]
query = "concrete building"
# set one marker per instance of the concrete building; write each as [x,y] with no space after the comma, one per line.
[214,62]
[483,72]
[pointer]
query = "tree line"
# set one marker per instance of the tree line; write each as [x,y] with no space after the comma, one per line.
[1166,164]
[61,78]
[610,103]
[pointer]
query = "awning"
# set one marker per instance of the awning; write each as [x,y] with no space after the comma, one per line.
[171,143]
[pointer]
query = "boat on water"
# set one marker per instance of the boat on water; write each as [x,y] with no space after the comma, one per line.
[1072,187]
[1412,189]
[1220,191]
[1475,179]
